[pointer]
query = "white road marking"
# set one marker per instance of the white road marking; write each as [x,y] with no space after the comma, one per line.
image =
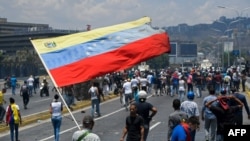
[153,126]
[107,115]
[43,100]
[69,129]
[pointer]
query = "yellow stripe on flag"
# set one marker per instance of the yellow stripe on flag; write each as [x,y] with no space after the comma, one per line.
[57,43]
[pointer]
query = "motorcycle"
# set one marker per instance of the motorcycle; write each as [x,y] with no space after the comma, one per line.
[44,89]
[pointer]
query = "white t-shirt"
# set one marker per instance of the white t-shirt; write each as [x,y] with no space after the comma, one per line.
[93,92]
[181,85]
[30,81]
[88,137]
[134,82]
[56,108]
[127,88]
[143,82]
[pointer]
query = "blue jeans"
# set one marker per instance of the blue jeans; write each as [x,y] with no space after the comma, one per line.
[199,87]
[30,89]
[192,133]
[217,88]
[56,122]
[95,104]
[14,130]
[181,95]
[174,89]
[210,128]
[69,99]
[13,88]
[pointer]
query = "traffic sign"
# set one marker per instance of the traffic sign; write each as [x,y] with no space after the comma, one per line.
[236,52]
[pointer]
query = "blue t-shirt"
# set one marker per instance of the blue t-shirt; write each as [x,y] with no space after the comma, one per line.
[178,134]
[13,81]
[136,96]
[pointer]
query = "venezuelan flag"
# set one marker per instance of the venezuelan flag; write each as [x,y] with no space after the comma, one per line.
[79,57]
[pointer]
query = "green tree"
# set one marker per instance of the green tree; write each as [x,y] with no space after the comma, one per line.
[159,62]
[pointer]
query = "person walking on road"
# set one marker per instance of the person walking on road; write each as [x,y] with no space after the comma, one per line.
[146,110]
[134,128]
[190,81]
[24,93]
[30,82]
[2,102]
[224,113]
[56,109]
[191,108]
[243,80]
[13,119]
[208,117]
[182,132]
[13,82]
[86,133]
[95,104]
[182,88]
[176,117]
[127,89]
[69,95]
[239,114]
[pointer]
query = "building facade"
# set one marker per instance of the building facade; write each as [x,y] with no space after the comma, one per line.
[17,54]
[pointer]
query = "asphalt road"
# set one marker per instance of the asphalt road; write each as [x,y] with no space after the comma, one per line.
[36,104]
[109,126]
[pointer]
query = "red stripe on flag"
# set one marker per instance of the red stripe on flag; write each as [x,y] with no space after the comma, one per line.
[122,58]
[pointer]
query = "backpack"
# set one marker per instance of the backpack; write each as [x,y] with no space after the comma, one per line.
[187,130]
[24,89]
[12,114]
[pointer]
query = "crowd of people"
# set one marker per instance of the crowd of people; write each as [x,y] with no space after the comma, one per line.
[225,101]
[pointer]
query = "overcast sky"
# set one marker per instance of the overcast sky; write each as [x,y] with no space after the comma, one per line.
[76,14]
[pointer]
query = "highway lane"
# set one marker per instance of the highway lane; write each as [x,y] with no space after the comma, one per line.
[36,103]
[109,126]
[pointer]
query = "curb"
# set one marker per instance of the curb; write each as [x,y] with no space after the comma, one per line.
[46,115]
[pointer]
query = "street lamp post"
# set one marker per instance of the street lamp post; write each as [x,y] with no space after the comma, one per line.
[226,35]
[239,14]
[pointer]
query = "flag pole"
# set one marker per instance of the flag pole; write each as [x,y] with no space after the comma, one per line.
[53,81]
[67,107]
